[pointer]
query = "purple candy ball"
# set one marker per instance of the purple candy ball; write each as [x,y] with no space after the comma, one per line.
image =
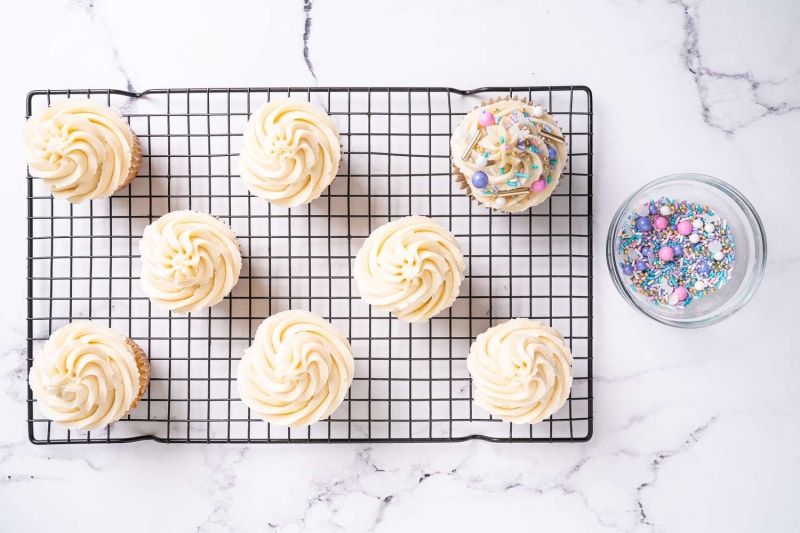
[552,152]
[641,265]
[643,224]
[653,209]
[678,249]
[480,179]
[645,251]
[703,268]
[627,270]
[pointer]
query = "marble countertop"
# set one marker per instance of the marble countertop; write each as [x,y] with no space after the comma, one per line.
[694,430]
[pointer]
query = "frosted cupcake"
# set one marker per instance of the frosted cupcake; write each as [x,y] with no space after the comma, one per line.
[508,155]
[291,152]
[521,371]
[81,150]
[412,268]
[88,376]
[297,371]
[190,261]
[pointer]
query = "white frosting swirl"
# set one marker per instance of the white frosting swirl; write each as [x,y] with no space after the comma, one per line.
[291,152]
[190,261]
[514,153]
[82,150]
[297,371]
[522,371]
[412,267]
[87,376]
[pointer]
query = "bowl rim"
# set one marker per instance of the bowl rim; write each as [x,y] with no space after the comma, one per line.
[752,283]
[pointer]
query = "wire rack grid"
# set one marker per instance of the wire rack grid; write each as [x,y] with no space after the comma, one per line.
[411,382]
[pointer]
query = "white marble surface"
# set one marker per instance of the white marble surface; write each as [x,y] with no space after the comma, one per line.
[694,430]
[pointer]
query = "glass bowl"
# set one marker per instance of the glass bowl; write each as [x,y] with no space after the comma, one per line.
[750,249]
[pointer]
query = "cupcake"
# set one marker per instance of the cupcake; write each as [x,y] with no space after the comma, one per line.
[412,267]
[297,371]
[190,261]
[291,152]
[88,376]
[521,371]
[508,154]
[82,150]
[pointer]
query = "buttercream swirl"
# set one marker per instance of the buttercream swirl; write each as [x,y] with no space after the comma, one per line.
[517,151]
[521,370]
[412,267]
[190,260]
[82,150]
[297,371]
[291,152]
[88,376]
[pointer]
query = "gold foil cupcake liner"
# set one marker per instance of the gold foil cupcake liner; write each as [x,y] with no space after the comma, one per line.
[143,364]
[462,180]
[136,162]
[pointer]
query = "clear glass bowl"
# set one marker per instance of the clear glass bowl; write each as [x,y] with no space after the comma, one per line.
[745,226]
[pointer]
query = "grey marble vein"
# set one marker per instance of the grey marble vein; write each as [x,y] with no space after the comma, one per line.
[220,462]
[659,461]
[307,5]
[14,377]
[755,97]
[88,7]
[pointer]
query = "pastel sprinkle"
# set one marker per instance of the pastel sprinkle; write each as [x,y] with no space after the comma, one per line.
[679,273]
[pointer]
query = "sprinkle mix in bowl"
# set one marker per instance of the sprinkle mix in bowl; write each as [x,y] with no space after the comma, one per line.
[677,251]
[687,250]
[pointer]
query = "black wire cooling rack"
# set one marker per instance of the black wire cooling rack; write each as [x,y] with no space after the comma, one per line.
[411,381]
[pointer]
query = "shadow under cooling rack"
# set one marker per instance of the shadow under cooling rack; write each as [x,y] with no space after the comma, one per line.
[411,382]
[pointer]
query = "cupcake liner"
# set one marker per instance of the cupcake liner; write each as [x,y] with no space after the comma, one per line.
[143,364]
[336,176]
[235,239]
[462,180]
[136,162]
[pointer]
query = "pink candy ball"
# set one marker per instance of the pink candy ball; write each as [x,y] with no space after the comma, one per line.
[685,227]
[665,253]
[539,185]
[486,119]
[681,293]
[660,222]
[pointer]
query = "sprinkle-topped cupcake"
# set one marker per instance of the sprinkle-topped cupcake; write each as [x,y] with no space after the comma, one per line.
[508,154]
